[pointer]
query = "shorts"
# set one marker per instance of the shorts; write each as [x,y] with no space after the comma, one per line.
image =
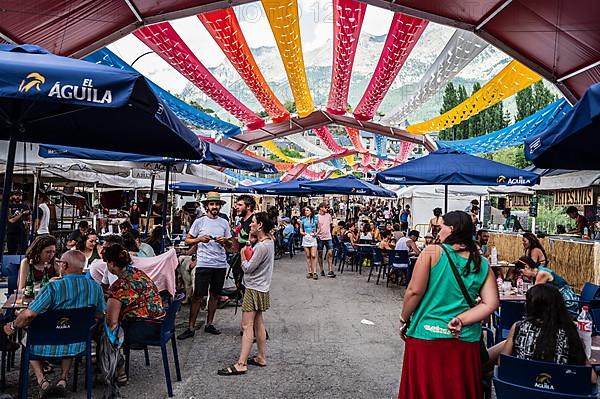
[208,278]
[324,243]
[403,226]
[309,241]
[256,301]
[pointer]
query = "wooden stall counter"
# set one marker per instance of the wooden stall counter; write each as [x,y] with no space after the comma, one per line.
[574,259]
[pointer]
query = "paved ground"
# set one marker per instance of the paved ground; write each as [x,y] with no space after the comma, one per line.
[318,346]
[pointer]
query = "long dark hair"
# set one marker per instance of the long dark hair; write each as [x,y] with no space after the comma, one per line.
[545,307]
[118,254]
[266,221]
[312,213]
[462,233]
[534,243]
[34,252]
[80,244]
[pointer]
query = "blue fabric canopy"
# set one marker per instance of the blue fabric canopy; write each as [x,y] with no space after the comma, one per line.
[204,188]
[512,135]
[182,109]
[215,154]
[451,167]
[346,185]
[291,187]
[573,142]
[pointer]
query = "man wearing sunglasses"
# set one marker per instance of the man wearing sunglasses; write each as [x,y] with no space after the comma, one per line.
[212,235]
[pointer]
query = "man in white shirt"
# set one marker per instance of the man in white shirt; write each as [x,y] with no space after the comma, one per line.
[212,235]
[43,218]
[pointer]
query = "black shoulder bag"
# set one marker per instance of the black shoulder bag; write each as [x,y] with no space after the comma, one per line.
[483,353]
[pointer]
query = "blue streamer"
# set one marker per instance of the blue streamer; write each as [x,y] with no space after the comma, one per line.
[240,177]
[381,146]
[512,135]
[182,109]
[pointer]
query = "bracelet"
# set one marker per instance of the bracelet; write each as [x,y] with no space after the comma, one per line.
[461,322]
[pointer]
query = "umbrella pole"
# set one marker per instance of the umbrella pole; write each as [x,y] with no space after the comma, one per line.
[164,210]
[36,182]
[8,176]
[445,198]
[149,210]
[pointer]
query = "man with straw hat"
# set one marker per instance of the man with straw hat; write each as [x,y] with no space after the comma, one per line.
[212,235]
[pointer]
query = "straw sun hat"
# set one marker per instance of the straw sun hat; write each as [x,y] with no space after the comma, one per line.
[212,196]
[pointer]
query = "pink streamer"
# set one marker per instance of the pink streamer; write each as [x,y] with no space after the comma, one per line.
[325,135]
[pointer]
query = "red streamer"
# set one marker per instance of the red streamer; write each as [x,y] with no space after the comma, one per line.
[325,135]
[402,37]
[165,41]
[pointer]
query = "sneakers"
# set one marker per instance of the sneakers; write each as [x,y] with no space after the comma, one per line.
[322,273]
[209,328]
[186,334]
[331,274]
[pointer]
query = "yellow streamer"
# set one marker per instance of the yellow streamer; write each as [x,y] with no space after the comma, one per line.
[284,21]
[512,79]
[272,147]
[350,160]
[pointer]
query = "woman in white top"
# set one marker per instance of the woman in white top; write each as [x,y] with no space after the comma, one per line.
[258,269]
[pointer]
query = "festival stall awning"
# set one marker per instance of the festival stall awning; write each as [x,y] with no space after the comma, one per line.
[572,142]
[204,188]
[291,187]
[349,185]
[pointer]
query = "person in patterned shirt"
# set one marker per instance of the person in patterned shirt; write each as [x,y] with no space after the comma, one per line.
[133,296]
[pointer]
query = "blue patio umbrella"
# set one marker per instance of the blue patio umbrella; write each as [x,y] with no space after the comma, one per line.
[45,98]
[450,167]
[204,188]
[291,187]
[348,185]
[572,142]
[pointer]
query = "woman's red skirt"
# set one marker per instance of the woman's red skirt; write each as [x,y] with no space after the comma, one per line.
[441,369]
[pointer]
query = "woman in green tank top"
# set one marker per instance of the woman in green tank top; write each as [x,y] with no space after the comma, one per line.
[441,330]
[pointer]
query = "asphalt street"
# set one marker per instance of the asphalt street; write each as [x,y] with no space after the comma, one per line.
[329,338]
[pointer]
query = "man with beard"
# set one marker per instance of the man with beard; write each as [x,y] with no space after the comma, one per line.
[16,230]
[244,206]
[212,235]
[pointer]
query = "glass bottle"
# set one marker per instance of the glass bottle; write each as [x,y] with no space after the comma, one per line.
[29,284]
[45,279]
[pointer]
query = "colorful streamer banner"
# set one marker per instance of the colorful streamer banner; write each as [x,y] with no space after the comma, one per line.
[513,78]
[224,27]
[512,135]
[165,41]
[338,163]
[241,177]
[350,160]
[325,135]
[182,109]
[406,149]
[311,148]
[461,49]
[380,164]
[402,37]
[348,17]
[354,135]
[272,148]
[280,166]
[285,24]
[381,146]
[366,159]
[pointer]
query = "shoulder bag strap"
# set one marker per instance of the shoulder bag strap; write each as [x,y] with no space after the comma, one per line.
[459,279]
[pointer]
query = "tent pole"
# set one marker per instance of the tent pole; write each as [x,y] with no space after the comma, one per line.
[8,176]
[445,198]
[36,181]
[94,223]
[164,210]
[149,210]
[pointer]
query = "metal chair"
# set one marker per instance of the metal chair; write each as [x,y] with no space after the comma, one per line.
[167,333]
[60,327]
[525,379]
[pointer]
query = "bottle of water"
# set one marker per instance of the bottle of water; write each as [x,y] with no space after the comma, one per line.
[494,256]
[584,327]
[520,284]
[500,282]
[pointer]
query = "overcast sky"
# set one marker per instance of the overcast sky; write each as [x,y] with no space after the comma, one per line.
[316,20]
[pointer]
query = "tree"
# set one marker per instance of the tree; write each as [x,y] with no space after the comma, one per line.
[449,101]
[290,106]
[263,114]
[532,99]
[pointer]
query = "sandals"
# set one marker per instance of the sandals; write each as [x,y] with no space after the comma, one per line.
[122,379]
[231,370]
[309,275]
[315,276]
[252,361]
[44,391]
[60,390]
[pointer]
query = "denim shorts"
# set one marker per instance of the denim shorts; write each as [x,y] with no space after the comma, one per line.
[324,243]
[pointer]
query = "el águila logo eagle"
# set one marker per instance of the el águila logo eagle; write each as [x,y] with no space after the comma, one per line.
[544,381]
[32,80]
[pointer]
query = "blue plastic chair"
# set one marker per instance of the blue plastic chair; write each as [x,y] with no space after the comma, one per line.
[378,262]
[510,313]
[589,292]
[526,379]
[7,261]
[348,253]
[60,327]
[398,257]
[337,251]
[167,333]
[595,312]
